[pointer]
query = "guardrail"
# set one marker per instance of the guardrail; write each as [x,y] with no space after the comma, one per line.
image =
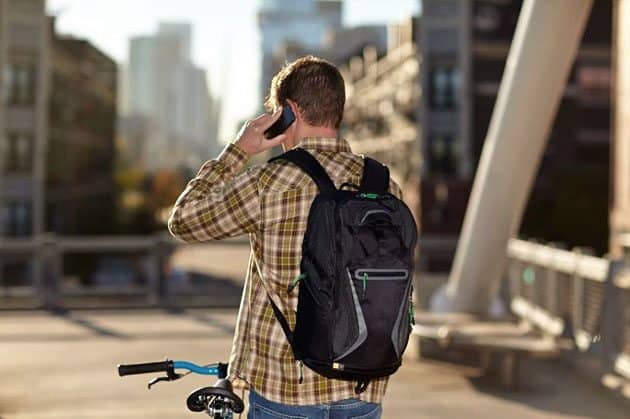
[574,294]
[135,268]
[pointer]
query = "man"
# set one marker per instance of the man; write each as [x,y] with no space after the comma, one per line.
[271,203]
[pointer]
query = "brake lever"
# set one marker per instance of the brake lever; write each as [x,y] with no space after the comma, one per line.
[171,375]
[158,379]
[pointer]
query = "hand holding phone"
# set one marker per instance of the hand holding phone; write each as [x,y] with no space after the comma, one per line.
[257,135]
[282,124]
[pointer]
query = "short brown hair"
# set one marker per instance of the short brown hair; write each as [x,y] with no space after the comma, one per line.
[315,85]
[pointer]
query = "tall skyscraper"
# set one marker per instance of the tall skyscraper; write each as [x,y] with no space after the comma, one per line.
[301,22]
[171,94]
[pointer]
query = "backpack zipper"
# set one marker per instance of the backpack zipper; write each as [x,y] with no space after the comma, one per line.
[380,274]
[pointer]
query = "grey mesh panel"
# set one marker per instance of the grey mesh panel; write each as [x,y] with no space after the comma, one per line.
[360,320]
[396,328]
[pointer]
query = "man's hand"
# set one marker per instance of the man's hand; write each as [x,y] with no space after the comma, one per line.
[251,138]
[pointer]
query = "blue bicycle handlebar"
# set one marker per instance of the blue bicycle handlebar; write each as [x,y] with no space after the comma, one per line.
[169,367]
[197,369]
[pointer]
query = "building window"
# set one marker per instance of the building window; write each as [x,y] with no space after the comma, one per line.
[443,83]
[19,153]
[7,80]
[17,218]
[20,82]
[442,154]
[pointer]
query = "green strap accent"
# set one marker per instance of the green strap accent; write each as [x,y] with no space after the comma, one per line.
[365,276]
[296,281]
[369,195]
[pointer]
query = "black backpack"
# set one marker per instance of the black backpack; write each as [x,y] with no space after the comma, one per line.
[354,311]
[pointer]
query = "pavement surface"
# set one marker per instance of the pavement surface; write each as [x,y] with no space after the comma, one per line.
[63,365]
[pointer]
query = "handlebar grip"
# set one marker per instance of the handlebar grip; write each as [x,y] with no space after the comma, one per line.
[131,369]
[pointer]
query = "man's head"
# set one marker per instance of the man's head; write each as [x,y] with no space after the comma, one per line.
[315,90]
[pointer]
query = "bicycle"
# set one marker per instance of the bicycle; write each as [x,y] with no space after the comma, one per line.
[218,401]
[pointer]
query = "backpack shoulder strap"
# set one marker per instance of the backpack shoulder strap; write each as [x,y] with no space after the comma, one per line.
[284,323]
[375,177]
[309,164]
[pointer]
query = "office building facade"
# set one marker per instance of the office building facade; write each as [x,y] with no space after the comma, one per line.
[24,66]
[171,93]
[464,46]
[302,24]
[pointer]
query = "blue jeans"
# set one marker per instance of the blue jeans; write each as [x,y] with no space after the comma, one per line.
[261,408]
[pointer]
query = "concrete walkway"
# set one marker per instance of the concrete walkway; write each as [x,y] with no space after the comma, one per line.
[63,366]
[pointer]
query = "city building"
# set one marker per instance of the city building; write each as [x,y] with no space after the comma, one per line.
[166,88]
[341,44]
[57,121]
[302,24]
[80,187]
[463,47]
[24,66]
[338,47]
[383,106]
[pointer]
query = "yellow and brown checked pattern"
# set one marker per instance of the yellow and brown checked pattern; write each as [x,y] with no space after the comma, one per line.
[271,202]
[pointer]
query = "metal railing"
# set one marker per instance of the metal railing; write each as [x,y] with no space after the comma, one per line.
[120,268]
[573,294]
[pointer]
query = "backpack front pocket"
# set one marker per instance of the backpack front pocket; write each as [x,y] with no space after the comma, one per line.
[380,299]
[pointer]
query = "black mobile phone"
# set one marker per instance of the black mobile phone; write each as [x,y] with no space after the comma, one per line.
[281,125]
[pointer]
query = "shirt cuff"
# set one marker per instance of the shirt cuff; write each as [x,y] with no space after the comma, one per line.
[233,155]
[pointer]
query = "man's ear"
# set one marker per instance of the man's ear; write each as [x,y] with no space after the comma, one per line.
[295,109]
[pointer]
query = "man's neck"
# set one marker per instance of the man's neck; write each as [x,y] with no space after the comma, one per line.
[310,131]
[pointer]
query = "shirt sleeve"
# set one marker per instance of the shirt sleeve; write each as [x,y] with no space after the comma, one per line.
[395,190]
[218,203]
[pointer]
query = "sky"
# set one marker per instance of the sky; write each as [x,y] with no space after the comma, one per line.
[225,37]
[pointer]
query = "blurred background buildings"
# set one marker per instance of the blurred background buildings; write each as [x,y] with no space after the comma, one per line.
[91,146]
[463,49]
[288,22]
[168,103]
[94,151]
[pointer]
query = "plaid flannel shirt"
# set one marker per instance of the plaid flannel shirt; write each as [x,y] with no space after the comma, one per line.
[271,203]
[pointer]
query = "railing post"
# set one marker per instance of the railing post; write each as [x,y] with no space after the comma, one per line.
[514,277]
[47,270]
[553,289]
[158,259]
[614,316]
[154,274]
[578,298]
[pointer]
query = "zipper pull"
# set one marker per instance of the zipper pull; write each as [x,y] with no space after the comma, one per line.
[295,282]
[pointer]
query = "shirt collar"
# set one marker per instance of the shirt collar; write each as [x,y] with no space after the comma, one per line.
[324,144]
